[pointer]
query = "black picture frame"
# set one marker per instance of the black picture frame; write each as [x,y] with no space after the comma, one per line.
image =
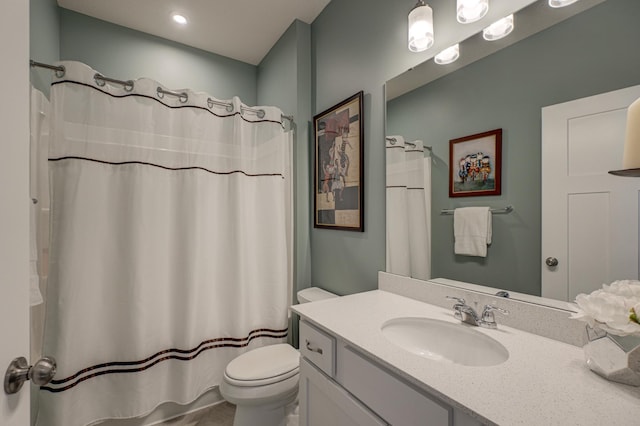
[338,195]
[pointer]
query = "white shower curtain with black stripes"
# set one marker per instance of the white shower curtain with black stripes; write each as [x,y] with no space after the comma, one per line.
[171,244]
[408,174]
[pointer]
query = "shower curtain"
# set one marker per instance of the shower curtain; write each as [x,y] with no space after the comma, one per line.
[408,174]
[171,243]
[39,226]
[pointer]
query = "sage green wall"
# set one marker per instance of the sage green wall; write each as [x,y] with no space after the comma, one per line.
[284,79]
[358,45]
[44,40]
[348,58]
[593,52]
[122,53]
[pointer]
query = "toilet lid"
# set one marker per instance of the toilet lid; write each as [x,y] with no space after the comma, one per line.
[268,364]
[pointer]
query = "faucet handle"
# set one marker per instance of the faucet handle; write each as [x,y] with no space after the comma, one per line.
[456,308]
[488,319]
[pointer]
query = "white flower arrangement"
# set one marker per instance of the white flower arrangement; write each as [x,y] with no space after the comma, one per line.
[615,308]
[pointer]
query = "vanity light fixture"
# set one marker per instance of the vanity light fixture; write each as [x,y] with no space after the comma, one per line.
[180,19]
[561,3]
[420,27]
[498,29]
[448,55]
[469,11]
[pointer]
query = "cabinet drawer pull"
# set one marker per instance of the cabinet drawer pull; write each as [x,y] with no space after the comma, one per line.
[312,349]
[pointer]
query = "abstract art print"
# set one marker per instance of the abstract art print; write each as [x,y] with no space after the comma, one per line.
[338,178]
[475,164]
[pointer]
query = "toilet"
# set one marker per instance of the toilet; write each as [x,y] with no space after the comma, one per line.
[263,381]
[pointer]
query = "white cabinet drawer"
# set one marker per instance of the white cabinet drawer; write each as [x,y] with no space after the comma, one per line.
[392,399]
[318,347]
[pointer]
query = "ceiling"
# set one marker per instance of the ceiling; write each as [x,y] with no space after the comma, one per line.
[244,30]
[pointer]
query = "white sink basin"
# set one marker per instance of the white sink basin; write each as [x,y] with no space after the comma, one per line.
[444,341]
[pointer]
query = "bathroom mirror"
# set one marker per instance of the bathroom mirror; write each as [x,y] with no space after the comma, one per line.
[553,56]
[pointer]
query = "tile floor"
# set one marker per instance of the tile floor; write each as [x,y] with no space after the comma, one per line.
[218,415]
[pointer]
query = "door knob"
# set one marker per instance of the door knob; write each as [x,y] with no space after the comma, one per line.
[551,261]
[20,371]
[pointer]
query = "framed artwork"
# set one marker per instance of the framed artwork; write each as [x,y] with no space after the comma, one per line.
[339,166]
[475,164]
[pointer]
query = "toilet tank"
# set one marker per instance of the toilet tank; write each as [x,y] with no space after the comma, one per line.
[313,294]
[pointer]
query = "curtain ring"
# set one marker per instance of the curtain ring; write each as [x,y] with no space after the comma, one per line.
[159,92]
[61,72]
[228,107]
[260,113]
[99,80]
[183,97]
[128,86]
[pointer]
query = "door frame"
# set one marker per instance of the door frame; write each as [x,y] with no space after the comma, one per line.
[14,207]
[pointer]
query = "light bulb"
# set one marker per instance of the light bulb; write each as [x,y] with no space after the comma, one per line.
[448,55]
[420,27]
[471,10]
[498,29]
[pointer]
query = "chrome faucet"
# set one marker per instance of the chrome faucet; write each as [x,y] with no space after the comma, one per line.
[464,312]
[468,315]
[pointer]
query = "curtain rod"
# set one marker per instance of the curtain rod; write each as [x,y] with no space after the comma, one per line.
[59,69]
[128,86]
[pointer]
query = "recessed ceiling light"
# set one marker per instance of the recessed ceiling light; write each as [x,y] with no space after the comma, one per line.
[180,19]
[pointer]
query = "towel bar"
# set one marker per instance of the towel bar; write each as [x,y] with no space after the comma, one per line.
[503,210]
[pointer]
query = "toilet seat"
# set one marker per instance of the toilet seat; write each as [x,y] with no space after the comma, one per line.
[263,366]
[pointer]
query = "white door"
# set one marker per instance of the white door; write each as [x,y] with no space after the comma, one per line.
[14,199]
[589,217]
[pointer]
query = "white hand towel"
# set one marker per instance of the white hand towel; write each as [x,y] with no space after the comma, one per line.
[472,231]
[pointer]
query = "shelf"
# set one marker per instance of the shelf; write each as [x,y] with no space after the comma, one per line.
[626,172]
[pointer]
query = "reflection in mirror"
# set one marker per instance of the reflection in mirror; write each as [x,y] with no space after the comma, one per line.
[590,53]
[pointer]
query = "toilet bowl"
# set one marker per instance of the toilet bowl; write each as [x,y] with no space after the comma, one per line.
[263,381]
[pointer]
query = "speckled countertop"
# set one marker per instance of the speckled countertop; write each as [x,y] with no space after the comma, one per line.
[544,382]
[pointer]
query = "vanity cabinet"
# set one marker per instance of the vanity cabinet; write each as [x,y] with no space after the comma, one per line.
[341,386]
[323,402]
